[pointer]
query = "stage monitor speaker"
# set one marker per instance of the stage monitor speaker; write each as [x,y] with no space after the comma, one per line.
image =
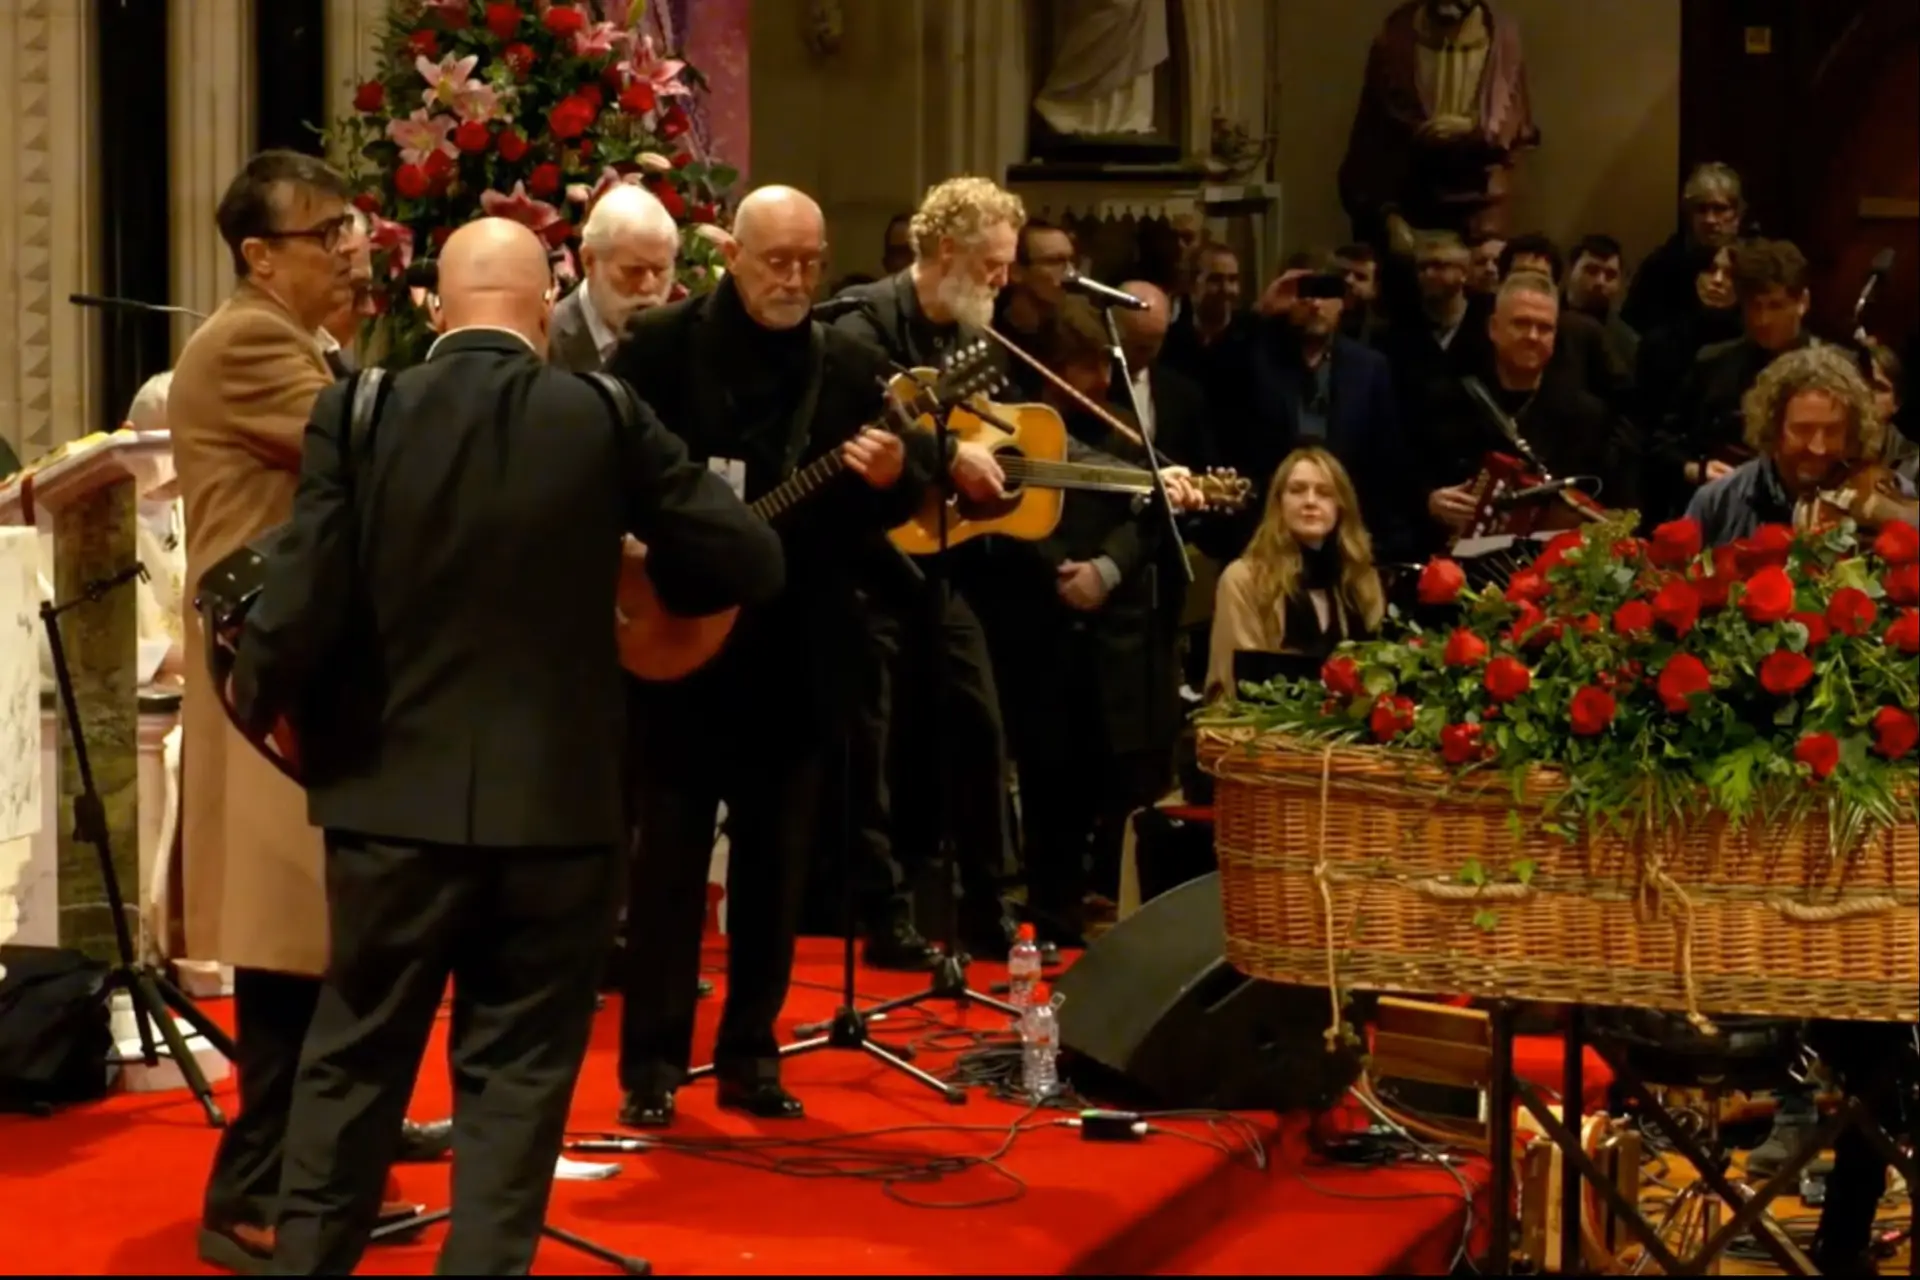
[1155,1008]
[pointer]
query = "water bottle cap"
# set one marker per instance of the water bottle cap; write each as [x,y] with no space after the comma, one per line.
[1042,993]
[1024,933]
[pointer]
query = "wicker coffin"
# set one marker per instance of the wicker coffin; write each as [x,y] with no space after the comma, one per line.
[1366,847]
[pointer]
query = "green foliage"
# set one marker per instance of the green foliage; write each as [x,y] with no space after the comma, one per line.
[1746,746]
[630,108]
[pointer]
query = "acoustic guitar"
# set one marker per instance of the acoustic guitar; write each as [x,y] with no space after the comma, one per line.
[656,645]
[1029,441]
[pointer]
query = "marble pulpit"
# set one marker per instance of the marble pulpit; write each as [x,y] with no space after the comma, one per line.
[86,494]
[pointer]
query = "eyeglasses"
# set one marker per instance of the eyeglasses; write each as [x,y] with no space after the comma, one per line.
[327,235]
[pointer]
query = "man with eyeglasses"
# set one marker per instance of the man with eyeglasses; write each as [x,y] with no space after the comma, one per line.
[1713,210]
[242,390]
[341,332]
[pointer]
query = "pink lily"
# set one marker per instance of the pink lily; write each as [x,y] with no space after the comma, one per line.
[535,215]
[646,65]
[599,40]
[449,80]
[420,135]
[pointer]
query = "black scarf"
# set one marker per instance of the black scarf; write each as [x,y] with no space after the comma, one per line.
[1319,571]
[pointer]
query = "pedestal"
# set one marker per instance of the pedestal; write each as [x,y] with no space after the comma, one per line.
[94,540]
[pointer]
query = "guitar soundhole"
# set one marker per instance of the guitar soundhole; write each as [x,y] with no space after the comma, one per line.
[968,509]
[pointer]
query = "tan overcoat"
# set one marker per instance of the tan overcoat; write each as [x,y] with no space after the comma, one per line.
[251,866]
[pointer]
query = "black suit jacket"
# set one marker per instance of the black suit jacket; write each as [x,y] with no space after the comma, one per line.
[441,610]
[788,660]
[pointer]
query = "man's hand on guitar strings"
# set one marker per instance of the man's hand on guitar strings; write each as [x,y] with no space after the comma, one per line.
[976,473]
[1182,492]
[1452,507]
[877,457]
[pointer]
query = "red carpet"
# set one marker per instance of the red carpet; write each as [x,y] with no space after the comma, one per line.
[114,1188]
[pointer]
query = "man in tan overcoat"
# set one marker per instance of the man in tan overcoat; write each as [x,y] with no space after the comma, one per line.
[242,390]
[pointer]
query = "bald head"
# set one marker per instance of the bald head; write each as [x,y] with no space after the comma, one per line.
[494,273]
[780,245]
[1143,333]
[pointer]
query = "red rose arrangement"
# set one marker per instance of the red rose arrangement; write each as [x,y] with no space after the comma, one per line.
[1656,675]
[525,109]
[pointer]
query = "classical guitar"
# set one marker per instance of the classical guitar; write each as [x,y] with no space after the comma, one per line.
[1029,441]
[656,645]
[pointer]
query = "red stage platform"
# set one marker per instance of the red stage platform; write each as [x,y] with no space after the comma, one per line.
[114,1188]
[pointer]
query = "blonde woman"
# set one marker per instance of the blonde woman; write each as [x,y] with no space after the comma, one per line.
[1306,581]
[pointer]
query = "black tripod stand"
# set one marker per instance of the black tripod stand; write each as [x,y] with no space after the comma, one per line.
[627,1262]
[151,994]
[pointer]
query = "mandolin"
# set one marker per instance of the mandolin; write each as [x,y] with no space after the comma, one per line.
[1029,441]
[656,645]
[1871,496]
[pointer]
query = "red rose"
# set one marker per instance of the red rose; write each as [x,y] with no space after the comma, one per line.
[1768,595]
[1852,612]
[1713,588]
[1898,543]
[1557,549]
[424,44]
[367,202]
[1507,679]
[703,213]
[563,20]
[1682,678]
[439,166]
[1464,649]
[1675,543]
[1527,585]
[1785,672]
[512,146]
[370,97]
[1903,584]
[637,98]
[472,136]
[1904,634]
[1894,732]
[1460,743]
[1592,711]
[1587,624]
[503,20]
[1341,676]
[589,93]
[1528,621]
[1441,581]
[1770,544]
[572,116]
[439,236]
[1633,618]
[586,150]
[454,19]
[670,199]
[544,180]
[1817,629]
[1678,605]
[673,123]
[411,181]
[1392,716]
[519,59]
[1820,752]
[1629,549]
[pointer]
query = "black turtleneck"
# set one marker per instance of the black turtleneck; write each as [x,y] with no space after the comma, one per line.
[766,369]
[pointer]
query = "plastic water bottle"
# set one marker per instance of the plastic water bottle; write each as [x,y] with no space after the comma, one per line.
[1023,968]
[1040,1046]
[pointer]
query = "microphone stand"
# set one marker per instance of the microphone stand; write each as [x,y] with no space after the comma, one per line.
[1119,354]
[149,991]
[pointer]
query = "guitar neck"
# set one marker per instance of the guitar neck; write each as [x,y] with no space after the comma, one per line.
[799,486]
[1077,475]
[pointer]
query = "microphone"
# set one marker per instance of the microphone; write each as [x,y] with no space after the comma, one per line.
[1103,295]
[607,1146]
[130,304]
[1520,497]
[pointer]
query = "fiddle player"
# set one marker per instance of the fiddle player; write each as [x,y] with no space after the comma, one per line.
[1571,433]
[437,627]
[755,387]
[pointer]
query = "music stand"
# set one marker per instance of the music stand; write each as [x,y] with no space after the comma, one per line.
[149,991]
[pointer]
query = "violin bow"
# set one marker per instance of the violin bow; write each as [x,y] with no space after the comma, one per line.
[1085,402]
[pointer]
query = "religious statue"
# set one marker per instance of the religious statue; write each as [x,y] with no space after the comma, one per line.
[1443,116]
[1105,53]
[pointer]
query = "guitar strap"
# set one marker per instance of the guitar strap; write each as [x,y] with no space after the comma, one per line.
[800,426]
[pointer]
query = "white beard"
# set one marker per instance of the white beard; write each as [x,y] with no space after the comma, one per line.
[971,304]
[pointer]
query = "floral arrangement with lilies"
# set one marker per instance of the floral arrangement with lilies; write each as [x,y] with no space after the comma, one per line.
[522,109]
[1771,679]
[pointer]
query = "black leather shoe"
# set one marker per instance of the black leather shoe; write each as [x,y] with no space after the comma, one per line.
[762,1099]
[899,947]
[647,1109]
[425,1143]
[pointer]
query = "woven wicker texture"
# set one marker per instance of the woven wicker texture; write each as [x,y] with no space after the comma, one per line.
[1718,919]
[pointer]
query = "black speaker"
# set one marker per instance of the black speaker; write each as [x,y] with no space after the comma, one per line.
[1155,1009]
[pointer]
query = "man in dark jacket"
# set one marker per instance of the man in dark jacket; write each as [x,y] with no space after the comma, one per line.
[439,623]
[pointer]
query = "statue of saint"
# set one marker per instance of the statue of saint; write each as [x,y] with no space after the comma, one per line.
[1105,53]
[1443,116]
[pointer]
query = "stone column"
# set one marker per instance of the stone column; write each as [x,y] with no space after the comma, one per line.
[978,87]
[47,227]
[210,134]
[352,28]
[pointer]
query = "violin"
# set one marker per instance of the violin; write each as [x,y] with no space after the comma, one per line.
[1871,496]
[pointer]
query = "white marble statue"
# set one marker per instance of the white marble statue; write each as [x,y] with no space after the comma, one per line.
[1105,53]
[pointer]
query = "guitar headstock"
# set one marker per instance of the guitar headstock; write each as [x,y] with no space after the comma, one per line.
[1224,489]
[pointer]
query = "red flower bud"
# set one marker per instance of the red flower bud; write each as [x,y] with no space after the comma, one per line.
[564,20]
[1820,752]
[1507,679]
[1767,596]
[1680,680]
[1341,676]
[370,97]
[1894,732]
[1441,581]
[1904,634]
[1675,543]
[1633,618]
[1903,584]
[503,20]
[1898,543]
[1784,672]
[1392,716]
[1460,743]
[1464,649]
